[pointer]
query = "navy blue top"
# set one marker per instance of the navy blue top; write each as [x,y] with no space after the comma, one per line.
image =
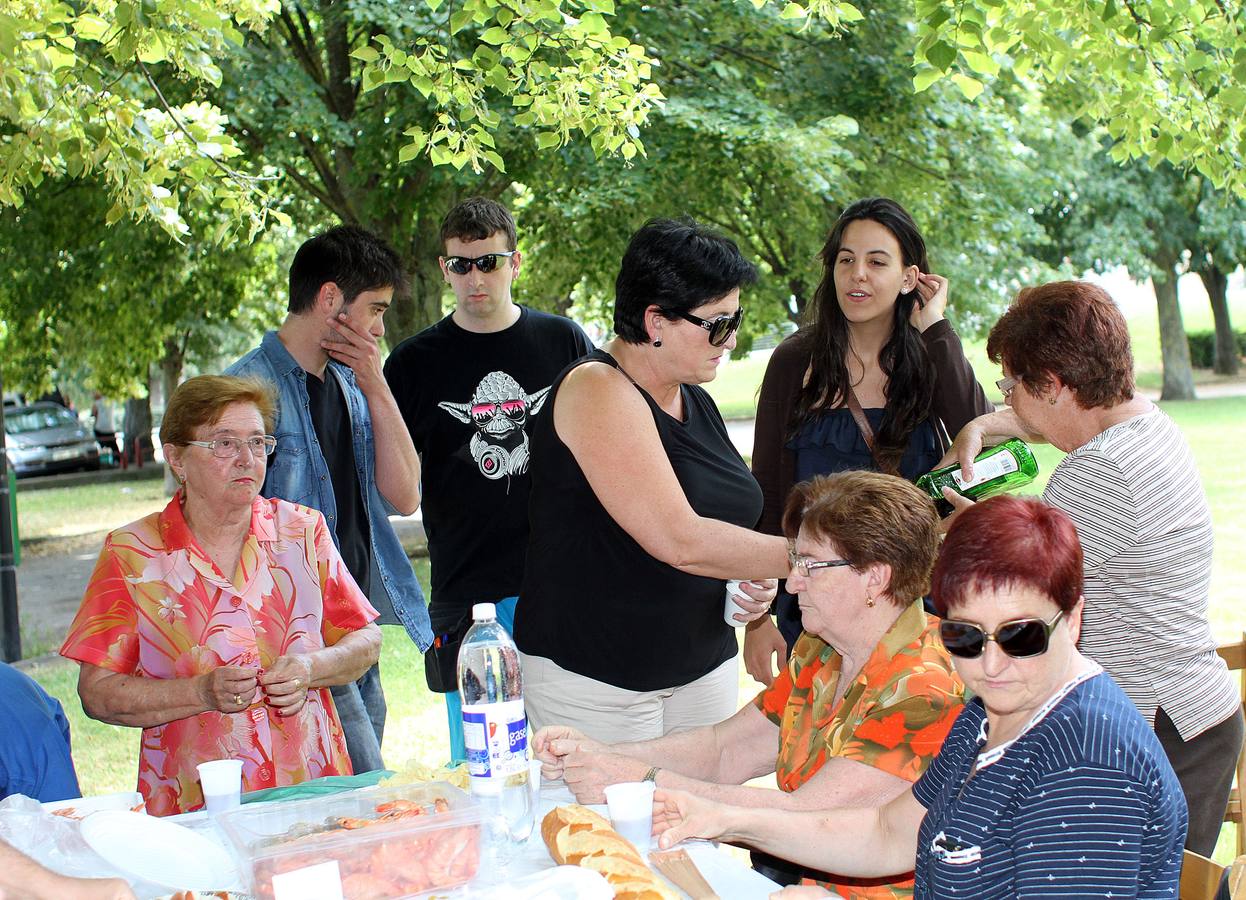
[1082,804]
[34,741]
[831,442]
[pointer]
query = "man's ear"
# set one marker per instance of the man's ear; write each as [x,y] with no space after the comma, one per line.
[328,298]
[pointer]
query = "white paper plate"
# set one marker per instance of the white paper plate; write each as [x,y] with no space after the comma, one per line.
[162,853]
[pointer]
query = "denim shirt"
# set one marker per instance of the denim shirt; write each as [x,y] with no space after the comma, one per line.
[297,471]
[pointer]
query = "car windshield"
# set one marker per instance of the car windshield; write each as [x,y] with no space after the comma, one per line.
[36,418]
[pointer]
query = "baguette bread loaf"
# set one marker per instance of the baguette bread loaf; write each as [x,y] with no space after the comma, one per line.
[577,836]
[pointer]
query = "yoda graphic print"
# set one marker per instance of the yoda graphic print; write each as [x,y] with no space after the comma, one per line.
[498,409]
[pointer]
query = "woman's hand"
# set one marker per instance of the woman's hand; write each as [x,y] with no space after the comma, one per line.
[678,816]
[286,683]
[765,650]
[932,300]
[228,689]
[553,742]
[587,773]
[761,594]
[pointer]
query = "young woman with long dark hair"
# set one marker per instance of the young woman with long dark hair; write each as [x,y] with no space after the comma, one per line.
[876,355]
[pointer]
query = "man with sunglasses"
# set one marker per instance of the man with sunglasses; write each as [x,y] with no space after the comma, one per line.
[342,447]
[468,388]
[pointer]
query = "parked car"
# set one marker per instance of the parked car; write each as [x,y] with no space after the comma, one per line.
[46,437]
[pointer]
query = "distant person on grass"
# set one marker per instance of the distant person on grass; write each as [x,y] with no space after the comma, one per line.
[342,447]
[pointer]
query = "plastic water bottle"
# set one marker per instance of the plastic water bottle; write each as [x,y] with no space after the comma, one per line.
[495,727]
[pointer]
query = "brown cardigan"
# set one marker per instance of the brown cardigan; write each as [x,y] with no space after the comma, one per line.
[957,398]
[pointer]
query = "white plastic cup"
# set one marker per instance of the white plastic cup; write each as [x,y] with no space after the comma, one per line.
[221,780]
[730,607]
[631,811]
[534,787]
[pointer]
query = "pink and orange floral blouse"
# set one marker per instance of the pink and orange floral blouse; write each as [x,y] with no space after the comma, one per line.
[158,607]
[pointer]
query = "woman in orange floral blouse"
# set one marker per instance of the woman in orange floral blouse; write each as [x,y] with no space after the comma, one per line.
[867,698]
[218,624]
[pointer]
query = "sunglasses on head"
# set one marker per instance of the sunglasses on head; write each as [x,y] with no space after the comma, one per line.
[461,265]
[721,328]
[1020,638]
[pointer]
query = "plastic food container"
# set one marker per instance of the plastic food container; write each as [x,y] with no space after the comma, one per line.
[372,839]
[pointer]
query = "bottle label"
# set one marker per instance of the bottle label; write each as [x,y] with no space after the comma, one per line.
[496,737]
[985,470]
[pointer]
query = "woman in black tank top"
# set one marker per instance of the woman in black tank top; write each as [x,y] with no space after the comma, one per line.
[641,508]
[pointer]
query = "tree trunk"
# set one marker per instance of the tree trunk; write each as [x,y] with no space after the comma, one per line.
[170,375]
[1174,348]
[417,241]
[1217,284]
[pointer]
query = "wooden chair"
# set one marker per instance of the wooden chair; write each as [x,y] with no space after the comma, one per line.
[1200,877]
[1237,879]
[1235,656]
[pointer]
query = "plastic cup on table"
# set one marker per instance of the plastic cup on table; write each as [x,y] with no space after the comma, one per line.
[631,811]
[534,787]
[222,785]
[730,607]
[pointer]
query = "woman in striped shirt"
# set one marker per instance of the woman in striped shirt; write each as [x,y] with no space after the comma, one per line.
[1050,782]
[1131,486]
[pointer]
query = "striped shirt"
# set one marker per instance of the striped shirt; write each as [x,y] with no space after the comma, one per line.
[1135,495]
[1082,804]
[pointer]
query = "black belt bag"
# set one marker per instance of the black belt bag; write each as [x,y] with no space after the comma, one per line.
[442,658]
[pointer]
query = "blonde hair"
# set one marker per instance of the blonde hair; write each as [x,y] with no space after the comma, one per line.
[203,399]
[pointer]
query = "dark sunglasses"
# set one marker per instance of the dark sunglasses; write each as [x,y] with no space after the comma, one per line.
[721,329]
[461,265]
[1020,639]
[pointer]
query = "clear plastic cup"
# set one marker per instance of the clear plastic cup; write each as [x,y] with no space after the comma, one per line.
[534,787]
[631,811]
[222,784]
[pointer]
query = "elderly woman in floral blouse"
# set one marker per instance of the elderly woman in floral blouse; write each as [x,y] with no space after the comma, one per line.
[867,698]
[218,624]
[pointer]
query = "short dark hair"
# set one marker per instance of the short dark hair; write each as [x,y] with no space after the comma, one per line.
[871,518]
[353,258]
[1070,329]
[677,265]
[1009,541]
[478,219]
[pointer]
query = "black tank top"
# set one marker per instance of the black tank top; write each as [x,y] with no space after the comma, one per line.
[593,600]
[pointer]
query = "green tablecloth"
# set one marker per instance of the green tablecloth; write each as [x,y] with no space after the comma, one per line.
[318,787]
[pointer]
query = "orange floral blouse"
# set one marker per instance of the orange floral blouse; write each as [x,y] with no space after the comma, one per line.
[158,607]
[893,717]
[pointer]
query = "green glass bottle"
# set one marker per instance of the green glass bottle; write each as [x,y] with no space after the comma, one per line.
[1005,467]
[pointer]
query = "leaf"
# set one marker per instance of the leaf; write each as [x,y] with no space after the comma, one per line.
[460,20]
[495,35]
[970,87]
[366,54]
[547,139]
[981,62]
[408,152]
[793,11]
[925,78]
[941,55]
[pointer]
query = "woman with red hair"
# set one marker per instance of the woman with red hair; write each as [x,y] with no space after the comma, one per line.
[1130,484]
[1050,782]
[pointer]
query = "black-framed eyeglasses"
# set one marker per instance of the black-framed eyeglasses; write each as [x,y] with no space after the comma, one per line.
[1007,385]
[461,265]
[721,328]
[804,565]
[231,447]
[1020,638]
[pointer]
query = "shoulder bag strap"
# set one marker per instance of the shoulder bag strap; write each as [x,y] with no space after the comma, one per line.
[858,416]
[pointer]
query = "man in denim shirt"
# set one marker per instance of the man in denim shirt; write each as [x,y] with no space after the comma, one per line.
[342,446]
